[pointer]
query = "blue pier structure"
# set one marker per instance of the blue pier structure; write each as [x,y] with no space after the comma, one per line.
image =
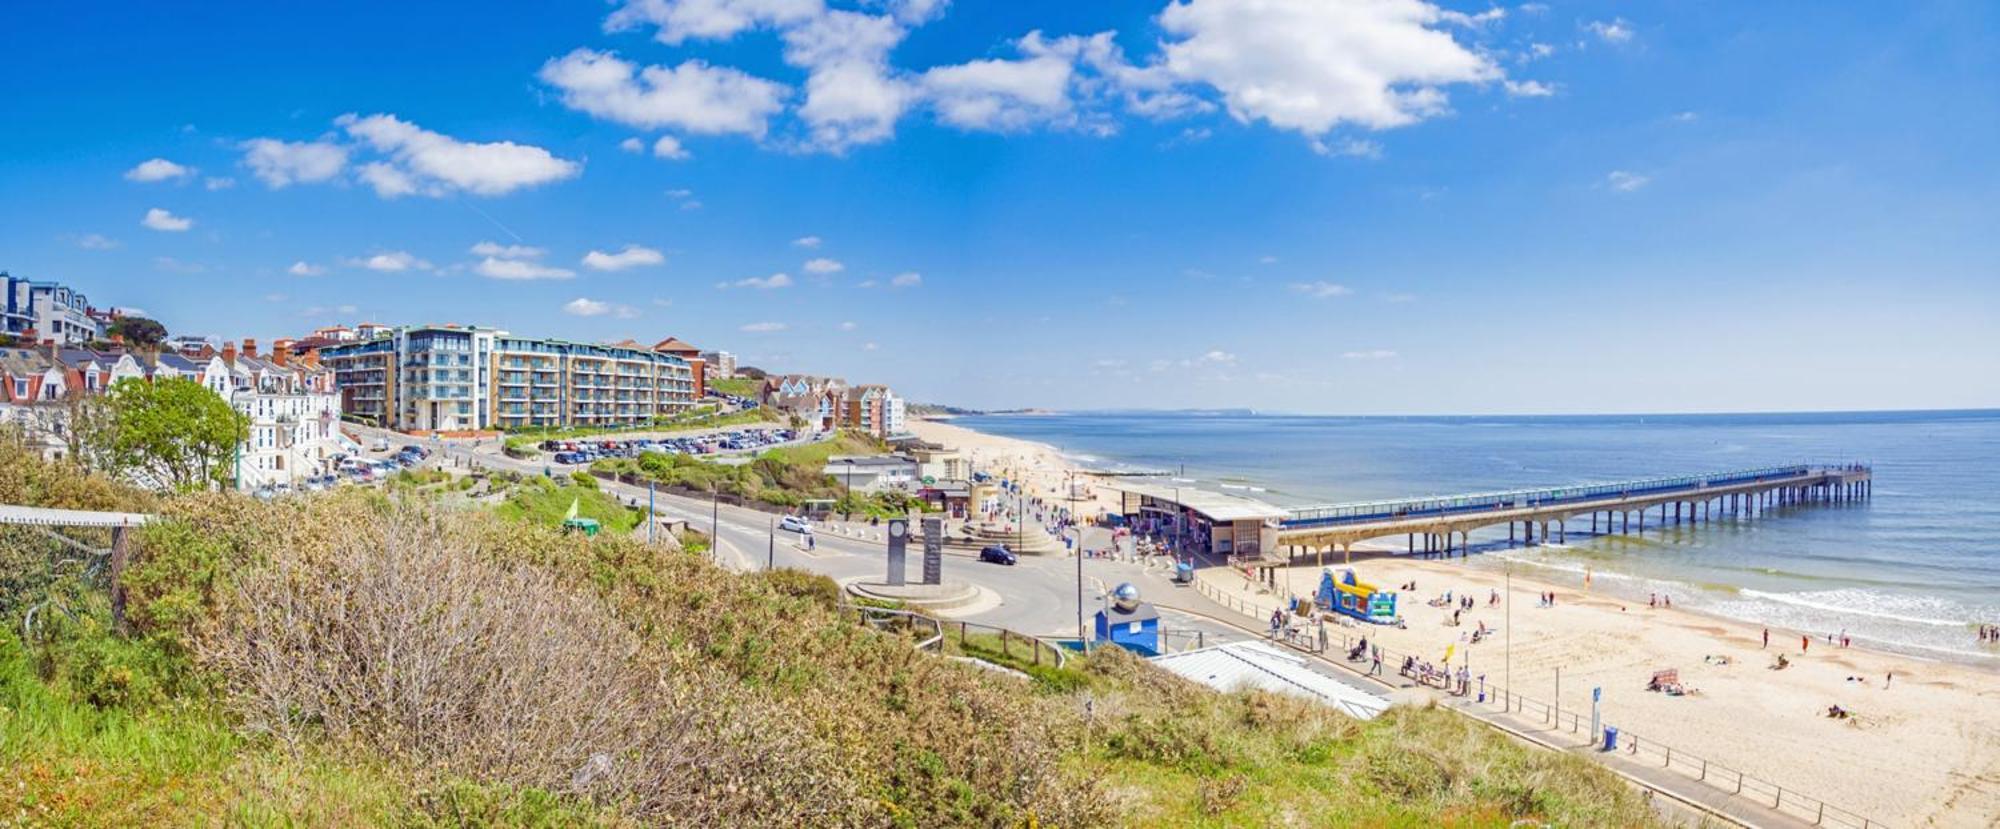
[1445,522]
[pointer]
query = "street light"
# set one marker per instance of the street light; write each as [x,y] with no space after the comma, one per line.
[1069,480]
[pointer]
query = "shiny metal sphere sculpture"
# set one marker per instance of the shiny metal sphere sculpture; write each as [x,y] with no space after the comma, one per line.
[1125,596]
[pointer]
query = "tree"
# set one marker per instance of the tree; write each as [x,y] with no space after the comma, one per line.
[173,433]
[137,330]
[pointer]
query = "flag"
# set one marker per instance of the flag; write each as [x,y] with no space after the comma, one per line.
[1448,650]
[574,503]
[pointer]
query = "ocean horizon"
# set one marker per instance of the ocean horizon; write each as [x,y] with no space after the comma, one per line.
[1911,570]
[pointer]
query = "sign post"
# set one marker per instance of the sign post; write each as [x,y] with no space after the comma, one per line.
[933,550]
[1596,697]
[899,531]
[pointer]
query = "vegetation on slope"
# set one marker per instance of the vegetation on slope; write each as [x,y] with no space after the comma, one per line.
[783,476]
[543,502]
[362,659]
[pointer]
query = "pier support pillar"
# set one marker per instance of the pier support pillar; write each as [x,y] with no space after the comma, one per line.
[1563,527]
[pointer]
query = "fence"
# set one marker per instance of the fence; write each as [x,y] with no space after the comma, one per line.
[969,635]
[1496,699]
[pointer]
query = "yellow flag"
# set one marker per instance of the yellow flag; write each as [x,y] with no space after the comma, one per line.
[1448,651]
[574,503]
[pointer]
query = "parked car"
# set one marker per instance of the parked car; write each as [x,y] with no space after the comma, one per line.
[999,554]
[795,524]
[380,445]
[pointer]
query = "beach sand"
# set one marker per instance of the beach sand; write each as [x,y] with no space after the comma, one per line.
[1042,469]
[1923,751]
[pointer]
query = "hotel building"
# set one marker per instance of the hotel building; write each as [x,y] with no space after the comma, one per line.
[454,378]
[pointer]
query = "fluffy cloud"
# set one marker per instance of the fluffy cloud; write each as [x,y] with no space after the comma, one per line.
[1615,30]
[670,147]
[633,256]
[422,161]
[824,265]
[519,269]
[762,283]
[763,327]
[395,261]
[96,241]
[218,183]
[852,96]
[304,268]
[1321,289]
[848,326]
[680,20]
[1625,181]
[1003,94]
[807,241]
[162,220]
[632,145]
[1528,89]
[910,279]
[583,307]
[158,169]
[692,97]
[507,251]
[281,163]
[1311,66]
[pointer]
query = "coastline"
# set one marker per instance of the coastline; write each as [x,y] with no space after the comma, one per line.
[1928,730]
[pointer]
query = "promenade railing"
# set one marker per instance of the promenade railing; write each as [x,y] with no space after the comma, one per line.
[1486,699]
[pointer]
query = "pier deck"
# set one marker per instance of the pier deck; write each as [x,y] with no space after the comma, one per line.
[1444,522]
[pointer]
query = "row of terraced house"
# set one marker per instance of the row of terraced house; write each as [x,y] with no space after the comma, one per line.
[828,403]
[458,378]
[294,430]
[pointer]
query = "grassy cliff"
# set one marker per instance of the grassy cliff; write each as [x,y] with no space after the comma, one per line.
[364,659]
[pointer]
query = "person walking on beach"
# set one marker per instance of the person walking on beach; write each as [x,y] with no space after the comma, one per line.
[1805,644]
[1890,677]
[1767,638]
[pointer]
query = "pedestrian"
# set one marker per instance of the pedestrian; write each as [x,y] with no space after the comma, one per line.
[1891,677]
[1652,600]
[1277,622]
[1805,644]
[1669,601]
[1767,638]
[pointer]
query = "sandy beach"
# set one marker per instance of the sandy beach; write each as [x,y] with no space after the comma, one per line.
[1041,468]
[1922,749]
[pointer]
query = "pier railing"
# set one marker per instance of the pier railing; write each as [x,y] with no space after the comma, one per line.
[1486,699]
[1363,511]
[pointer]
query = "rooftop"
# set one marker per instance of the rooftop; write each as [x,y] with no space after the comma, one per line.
[1215,505]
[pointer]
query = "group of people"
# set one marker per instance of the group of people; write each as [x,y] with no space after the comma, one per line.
[1455,682]
[1658,600]
[1989,634]
[1548,599]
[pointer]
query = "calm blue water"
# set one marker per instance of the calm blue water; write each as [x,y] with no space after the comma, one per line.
[1914,569]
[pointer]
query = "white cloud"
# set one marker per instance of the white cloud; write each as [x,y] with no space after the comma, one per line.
[395,261]
[866,283]
[507,251]
[762,283]
[218,183]
[1473,21]
[162,220]
[807,241]
[680,20]
[158,169]
[519,269]
[1267,260]
[1687,117]
[1321,289]
[633,256]
[680,193]
[1005,95]
[693,97]
[1625,181]
[1372,354]
[1615,30]
[848,326]
[434,164]
[869,347]
[852,95]
[910,279]
[763,327]
[823,265]
[670,147]
[586,307]
[96,241]
[1217,357]
[632,145]
[1537,51]
[1528,89]
[1311,65]
[281,163]
[304,268]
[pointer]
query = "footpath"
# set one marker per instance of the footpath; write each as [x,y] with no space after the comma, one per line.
[1691,793]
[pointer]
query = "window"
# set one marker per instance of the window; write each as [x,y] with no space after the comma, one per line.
[21,387]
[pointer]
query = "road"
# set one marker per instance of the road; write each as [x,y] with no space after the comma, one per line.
[1037,596]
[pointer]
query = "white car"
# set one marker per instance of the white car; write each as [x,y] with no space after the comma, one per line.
[793,523]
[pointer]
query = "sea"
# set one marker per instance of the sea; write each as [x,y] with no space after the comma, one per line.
[1915,569]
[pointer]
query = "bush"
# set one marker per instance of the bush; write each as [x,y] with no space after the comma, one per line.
[820,590]
[583,479]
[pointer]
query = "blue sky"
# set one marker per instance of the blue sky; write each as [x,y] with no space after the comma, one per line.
[1308,205]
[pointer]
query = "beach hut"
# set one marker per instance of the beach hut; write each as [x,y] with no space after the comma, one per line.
[1341,592]
[1129,623]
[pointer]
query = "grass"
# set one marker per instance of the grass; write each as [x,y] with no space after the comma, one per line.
[543,503]
[527,443]
[817,454]
[738,386]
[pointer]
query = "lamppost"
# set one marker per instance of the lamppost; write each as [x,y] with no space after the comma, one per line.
[1069,482]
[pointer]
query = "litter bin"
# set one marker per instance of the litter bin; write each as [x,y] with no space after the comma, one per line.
[1610,738]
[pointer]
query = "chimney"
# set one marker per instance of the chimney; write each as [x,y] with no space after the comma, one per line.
[118,339]
[311,357]
[249,347]
[229,352]
[278,356]
[49,348]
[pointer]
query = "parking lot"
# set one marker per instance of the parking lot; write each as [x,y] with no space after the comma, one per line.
[584,451]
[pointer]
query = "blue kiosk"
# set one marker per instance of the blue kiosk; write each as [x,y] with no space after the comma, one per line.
[1344,594]
[1129,623]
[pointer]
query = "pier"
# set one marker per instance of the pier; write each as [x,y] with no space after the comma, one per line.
[1443,524]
